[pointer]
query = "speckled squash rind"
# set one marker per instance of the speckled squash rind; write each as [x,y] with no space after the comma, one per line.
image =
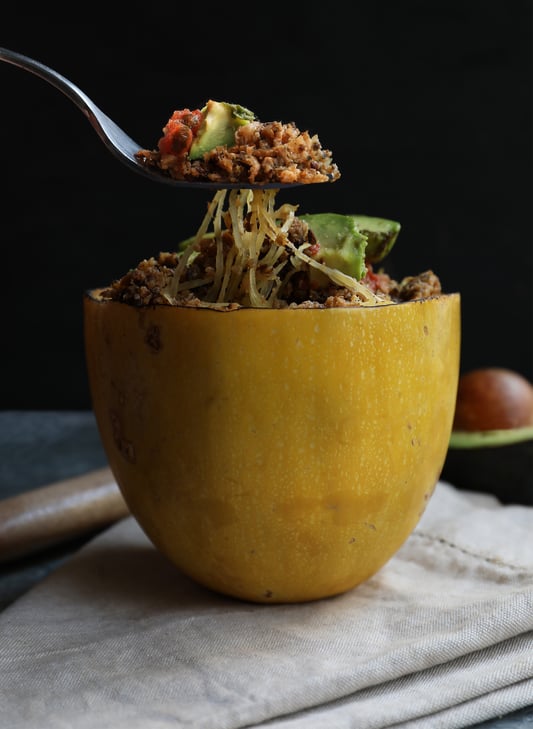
[275,455]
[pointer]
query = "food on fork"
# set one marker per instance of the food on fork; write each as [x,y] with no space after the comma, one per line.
[224,142]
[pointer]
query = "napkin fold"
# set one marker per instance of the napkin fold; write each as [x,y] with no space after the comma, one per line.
[442,636]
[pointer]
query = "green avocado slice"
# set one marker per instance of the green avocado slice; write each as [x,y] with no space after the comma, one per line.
[342,244]
[184,244]
[221,120]
[381,234]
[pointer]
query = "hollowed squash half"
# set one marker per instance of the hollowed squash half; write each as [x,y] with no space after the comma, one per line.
[275,455]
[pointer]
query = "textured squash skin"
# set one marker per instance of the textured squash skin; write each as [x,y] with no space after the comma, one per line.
[275,456]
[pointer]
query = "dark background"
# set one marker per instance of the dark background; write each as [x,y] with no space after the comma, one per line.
[427,108]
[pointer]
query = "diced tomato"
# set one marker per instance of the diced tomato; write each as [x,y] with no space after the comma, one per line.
[376,281]
[177,140]
[179,132]
[192,119]
[370,279]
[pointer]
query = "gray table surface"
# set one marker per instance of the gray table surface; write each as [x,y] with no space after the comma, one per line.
[41,447]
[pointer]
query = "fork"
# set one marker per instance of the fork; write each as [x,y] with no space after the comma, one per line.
[115,139]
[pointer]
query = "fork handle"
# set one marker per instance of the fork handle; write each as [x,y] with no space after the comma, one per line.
[75,94]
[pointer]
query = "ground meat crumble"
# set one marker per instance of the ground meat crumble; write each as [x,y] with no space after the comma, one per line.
[145,285]
[264,152]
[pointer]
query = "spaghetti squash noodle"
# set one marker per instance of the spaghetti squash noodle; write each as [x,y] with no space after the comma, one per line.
[249,252]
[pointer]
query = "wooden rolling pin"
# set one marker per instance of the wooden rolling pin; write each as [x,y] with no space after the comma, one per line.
[66,509]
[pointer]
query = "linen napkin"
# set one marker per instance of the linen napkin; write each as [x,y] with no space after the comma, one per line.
[442,636]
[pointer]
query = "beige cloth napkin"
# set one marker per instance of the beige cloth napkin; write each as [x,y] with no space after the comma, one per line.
[442,636]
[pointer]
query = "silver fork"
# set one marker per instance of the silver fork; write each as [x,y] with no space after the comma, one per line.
[114,138]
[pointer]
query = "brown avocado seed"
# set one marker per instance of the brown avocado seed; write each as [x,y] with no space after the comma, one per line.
[493,398]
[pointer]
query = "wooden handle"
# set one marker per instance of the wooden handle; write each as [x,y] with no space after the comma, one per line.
[63,510]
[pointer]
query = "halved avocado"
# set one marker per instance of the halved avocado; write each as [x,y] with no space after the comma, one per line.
[492,461]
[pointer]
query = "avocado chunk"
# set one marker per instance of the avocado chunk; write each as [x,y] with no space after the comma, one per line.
[492,461]
[342,244]
[221,120]
[184,244]
[381,235]
[347,241]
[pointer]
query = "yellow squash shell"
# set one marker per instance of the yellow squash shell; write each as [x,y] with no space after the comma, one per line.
[275,455]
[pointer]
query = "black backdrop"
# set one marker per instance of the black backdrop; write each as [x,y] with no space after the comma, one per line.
[427,108]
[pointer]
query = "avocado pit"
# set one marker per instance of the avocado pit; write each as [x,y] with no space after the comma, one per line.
[493,398]
[491,445]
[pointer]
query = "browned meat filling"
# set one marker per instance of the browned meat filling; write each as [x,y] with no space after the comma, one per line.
[264,152]
[145,285]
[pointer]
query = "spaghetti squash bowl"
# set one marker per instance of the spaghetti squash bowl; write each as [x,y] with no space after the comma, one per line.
[275,455]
